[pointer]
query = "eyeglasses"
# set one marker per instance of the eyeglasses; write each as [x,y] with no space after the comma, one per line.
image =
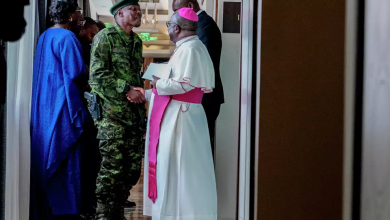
[183,28]
[80,11]
[82,23]
[169,24]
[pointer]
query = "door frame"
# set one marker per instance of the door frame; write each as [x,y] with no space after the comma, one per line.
[249,108]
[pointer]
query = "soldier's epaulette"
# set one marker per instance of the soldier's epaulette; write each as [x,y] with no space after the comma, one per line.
[111,30]
[137,36]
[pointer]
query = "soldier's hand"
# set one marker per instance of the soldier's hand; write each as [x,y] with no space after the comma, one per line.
[135,96]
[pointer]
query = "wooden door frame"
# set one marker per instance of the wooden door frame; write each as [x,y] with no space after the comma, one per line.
[354,78]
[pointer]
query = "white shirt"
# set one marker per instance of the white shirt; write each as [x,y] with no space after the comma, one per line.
[200,11]
[148,94]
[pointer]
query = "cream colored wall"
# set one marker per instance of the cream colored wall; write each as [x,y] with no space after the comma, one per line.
[227,129]
[92,9]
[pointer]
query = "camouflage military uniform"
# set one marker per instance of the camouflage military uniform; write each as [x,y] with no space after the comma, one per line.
[116,61]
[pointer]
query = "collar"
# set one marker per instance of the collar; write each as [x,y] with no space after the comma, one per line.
[182,41]
[126,38]
[200,11]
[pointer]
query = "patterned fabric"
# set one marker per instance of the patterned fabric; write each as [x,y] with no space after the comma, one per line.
[116,61]
[120,170]
[58,120]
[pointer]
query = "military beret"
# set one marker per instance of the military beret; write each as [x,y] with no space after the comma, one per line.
[121,4]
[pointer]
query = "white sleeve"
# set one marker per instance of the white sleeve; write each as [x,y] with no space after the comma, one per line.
[171,87]
[148,94]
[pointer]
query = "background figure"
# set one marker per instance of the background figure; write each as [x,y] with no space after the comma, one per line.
[11,31]
[100,25]
[59,79]
[116,61]
[209,33]
[90,156]
[86,35]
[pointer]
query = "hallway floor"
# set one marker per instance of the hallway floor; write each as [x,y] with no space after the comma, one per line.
[136,195]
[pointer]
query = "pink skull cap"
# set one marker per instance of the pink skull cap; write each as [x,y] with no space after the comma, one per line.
[188,14]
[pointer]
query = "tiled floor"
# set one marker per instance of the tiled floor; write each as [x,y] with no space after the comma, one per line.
[136,195]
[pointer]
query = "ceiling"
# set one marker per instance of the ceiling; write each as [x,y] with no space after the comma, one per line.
[103,6]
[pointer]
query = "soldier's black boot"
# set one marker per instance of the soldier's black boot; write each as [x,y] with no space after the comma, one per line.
[130,204]
[113,212]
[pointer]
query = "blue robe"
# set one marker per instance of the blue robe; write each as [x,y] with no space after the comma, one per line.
[58,118]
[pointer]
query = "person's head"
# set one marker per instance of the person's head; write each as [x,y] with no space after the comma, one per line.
[65,12]
[178,4]
[127,13]
[12,16]
[100,25]
[184,23]
[90,29]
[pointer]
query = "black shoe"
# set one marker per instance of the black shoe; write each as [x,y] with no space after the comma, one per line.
[130,204]
[87,216]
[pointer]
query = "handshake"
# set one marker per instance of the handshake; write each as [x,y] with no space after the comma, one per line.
[137,94]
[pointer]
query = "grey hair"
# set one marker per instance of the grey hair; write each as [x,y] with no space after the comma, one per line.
[185,24]
[60,10]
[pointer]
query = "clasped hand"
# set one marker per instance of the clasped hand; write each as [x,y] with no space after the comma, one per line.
[136,95]
[154,82]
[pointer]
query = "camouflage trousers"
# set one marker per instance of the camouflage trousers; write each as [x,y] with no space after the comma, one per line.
[119,172]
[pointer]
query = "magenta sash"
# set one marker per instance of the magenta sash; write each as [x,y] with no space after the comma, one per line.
[160,103]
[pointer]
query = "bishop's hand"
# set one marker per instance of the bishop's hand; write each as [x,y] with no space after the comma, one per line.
[154,82]
[141,90]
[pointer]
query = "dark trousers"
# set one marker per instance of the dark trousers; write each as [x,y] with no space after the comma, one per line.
[90,166]
[68,217]
[212,112]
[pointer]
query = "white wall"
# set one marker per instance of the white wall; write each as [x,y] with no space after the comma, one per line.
[92,8]
[208,6]
[227,130]
[163,5]
[20,59]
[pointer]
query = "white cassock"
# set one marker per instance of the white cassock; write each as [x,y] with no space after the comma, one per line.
[186,184]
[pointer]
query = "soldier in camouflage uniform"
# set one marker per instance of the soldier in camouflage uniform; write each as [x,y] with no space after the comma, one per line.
[116,60]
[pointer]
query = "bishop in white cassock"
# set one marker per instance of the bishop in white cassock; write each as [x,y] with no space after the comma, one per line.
[179,178]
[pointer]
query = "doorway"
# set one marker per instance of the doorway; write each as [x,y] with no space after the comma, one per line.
[235,126]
